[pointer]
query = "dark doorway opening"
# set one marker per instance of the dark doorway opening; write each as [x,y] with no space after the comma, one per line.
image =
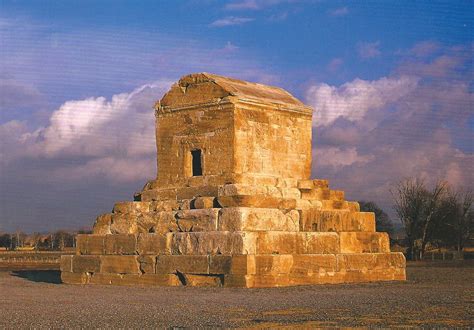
[197,162]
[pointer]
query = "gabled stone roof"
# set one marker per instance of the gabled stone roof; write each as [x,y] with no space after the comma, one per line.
[204,87]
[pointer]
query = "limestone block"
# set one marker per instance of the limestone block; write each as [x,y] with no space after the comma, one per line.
[164,205]
[390,260]
[131,207]
[119,264]
[106,279]
[102,224]
[256,281]
[319,183]
[302,204]
[316,194]
[298,243]
[305,184]
[257,219]
[152,279]
[250,264]
[241,189]
[256,201]
[353,206]
[218,242]
[186,204]
[290,193]
[121,244]
[329,204]
[197,220]
[157,222]
[286,182]
[192,192]
[153,244]
[337,195]
[336,220]
[124,224]
[158,195]
[204,202]
[66,263]
[90,244]
[203,280]
[310,264]
[86,264]
[147,264]
[74,278]
[361,242]
[191,264]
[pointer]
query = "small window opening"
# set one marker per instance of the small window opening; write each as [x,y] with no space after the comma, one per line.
[197,162]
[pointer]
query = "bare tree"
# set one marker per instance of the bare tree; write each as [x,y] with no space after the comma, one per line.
[459,219]
[417,208]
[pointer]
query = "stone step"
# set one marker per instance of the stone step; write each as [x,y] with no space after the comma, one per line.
[233,243]
[243,270]
[195,220]
[336,220]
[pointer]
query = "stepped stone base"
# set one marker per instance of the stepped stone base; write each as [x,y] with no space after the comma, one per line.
[265,236]
[249,271]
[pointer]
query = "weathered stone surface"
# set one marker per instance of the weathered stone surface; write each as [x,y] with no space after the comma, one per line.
[90,244]
[121,244]
[336,220]
[299,242]
[120,265]
[66,263]
[257,202]
[153,244]
[124,223]
[197,220]
[182,264]
[131,207]
[204,202]
[218,242]
[147,264]
[157,222]
[257,219]
[360,242]
[203,280]
[86,264]
[74,278]
[102,224]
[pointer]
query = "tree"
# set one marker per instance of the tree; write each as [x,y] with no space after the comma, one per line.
[419,209]
[455,221]
[382,220]
[5,240]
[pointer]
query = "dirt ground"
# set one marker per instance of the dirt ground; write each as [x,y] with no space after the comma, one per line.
[434,295]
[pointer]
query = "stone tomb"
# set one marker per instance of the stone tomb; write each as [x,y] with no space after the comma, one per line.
[233,203]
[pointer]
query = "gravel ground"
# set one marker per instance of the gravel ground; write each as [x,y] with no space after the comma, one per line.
[434,295]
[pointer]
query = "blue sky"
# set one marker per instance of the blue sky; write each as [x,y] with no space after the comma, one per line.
[390,81]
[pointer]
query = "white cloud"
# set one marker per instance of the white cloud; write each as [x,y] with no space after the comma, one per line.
[420,127]
[253,4]
[110,138]
[231,20]
[339,157]
[353,100]
[368,49]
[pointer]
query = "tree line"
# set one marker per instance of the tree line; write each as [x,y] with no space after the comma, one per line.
[436,216]
[58,240]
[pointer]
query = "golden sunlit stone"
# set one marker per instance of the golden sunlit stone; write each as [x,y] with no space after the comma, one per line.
[233,203]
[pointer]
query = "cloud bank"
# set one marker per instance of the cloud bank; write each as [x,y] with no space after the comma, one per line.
[415,122]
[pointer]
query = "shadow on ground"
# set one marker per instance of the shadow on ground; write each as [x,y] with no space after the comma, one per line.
[44,276]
